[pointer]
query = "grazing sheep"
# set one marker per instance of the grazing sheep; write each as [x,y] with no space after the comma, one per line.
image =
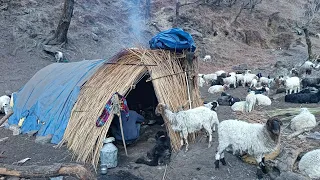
[255,139]
[310,82]
[310,164]
[303,97]
[207,58]
[250,101]
[239,106]
[209,78]
[212,105]
[190,121]
[4,103]
[231,80]
[263,100]
[217,89]
[307,67]
[292,84]
[303,120]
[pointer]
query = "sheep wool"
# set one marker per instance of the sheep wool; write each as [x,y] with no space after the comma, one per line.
[252,138]
[263,100]
[4,100]
[201,81]
[303,120]
[239,106]
[310,164]
[216,89]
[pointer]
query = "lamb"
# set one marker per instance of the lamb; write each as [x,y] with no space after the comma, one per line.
[303,120]
[310,82]
[190,121]
[266,81]
[201,81]
[4,103]
[310,164]
[255,139]
[239,106]
[292,84]
[303,97]
[207,58]
[58,56]
[212,105]
[217,89]
[250,101]
[254,83]
[263,100]
[248,77]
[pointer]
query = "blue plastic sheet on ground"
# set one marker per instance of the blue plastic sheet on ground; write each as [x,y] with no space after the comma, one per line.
[173,39]
[47,99]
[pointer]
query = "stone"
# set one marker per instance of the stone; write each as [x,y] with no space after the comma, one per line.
[95,37]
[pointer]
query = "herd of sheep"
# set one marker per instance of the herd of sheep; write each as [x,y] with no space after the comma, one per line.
[250,138]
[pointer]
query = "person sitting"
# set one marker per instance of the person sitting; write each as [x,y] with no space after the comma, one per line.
[131,127]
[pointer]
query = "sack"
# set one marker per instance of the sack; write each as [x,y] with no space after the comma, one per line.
[173,39]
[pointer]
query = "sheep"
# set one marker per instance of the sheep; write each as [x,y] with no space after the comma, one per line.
[190,121]
[292,84]
[219,80]
[240,79]
[209,77]
[201,81]
[254,139]
[58,56]
[239,106]
[207,58]
[250,101]
[260,90]
[266,81]
[263,100]
[248,77]
[254,83]
[310,164]
[4,103]
[220,72]
[303,97]
[217,89]
[231,80]
[310,82]
[303,120]
[227,100]
[212,105]
[307,67]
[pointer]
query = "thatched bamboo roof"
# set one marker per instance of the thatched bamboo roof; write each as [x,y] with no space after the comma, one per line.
[169,82]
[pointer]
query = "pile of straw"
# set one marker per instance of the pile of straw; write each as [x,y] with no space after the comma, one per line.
[82,136]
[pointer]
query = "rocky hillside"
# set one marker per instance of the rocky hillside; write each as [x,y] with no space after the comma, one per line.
[100,28]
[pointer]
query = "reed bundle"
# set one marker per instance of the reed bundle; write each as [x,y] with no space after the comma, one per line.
[82,136]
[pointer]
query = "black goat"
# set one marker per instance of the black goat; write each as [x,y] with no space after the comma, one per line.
[306,96]
[219,80]
[160,154]
[310,82]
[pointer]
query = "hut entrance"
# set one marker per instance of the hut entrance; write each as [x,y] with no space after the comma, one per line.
[143,100]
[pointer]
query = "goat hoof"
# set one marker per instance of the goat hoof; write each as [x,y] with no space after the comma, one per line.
[216,163]
[223,161]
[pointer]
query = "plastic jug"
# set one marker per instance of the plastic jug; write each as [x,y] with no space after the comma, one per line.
[108,155]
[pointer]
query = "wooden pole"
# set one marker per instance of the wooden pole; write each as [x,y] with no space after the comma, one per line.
[4,118]
[188,88]
[120,121]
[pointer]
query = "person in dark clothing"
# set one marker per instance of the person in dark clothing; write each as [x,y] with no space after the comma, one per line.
[131,127]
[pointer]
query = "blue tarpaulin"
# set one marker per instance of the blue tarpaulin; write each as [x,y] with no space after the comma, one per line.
[46,101]
[174,39]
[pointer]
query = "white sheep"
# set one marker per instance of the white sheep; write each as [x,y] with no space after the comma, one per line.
[250,101]
[266,81]
[263,100]
[4,103]
[190,121]
[212,105]
[310,164]
[292,84]
[254,83]
[59,56]
[239,106]
[254,139]
[217,89]
[207,58]
[240,78]
[210,77]
[201,81]
[220,72]
[303,120]
[248,77]
[230,80]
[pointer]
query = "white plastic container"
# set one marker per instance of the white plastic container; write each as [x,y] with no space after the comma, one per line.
[108,155]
